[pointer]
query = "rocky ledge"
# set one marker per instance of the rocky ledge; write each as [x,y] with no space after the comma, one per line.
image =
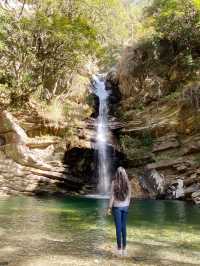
[31,165]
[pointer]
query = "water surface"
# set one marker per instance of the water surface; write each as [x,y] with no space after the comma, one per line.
[75,231]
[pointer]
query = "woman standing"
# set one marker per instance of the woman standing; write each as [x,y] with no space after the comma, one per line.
[119,203]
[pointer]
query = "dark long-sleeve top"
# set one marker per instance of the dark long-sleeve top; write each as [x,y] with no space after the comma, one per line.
[117,203]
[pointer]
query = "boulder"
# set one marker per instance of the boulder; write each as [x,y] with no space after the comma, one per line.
[153,182]
[175,190]
[196,197]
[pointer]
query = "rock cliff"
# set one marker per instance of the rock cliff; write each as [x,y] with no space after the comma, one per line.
[32,165]
[160,110]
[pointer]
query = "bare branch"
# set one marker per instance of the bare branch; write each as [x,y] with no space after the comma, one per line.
[22,9]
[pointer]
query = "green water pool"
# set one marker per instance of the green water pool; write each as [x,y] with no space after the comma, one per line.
[75,231]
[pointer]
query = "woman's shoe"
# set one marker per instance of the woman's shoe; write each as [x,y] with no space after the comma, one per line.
[118,252]
[124,253]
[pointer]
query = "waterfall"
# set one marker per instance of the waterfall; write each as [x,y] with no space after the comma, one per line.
[102,135]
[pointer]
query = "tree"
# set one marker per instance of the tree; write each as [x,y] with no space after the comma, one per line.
[44,42]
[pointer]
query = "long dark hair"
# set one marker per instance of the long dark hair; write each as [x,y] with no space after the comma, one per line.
[120,184]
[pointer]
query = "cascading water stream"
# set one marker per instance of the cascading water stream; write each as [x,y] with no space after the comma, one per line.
[102,136]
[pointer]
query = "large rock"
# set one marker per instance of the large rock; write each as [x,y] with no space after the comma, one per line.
[175,190]
[153,182]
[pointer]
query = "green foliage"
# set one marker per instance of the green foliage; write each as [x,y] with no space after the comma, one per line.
[42,48]
[196,3]
[136,147]
[177,21]
[166,56]
[197,158]
[140,107]
[164,157]
[90,100]
[146,138]
[173,96]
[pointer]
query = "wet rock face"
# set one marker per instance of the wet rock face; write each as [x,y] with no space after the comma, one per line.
[81,164]
[112,85]
[95,106]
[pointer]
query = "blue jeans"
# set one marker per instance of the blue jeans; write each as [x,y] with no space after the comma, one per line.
[120,218]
